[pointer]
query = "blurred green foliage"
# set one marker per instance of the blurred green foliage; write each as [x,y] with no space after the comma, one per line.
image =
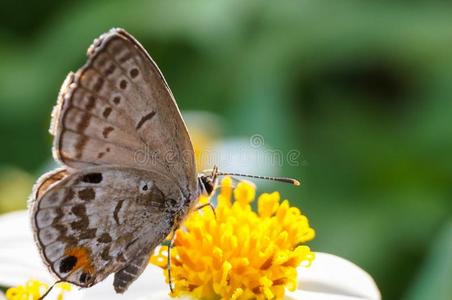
[362,88]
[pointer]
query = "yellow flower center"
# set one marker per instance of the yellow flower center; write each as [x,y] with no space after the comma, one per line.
[240,254]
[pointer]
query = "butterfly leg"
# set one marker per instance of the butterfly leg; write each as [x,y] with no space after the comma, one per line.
[210,205]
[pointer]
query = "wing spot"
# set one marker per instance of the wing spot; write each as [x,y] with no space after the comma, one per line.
[107,112]
[60,228]
[68,263]
[104,238]
[80,225]
[116,48]
[145,118]
[98,85]
[116,211]
[69,195]
[123,84]
[125,57]
[111,68]
[134,72]
[116,100]
[102,61]
[105,254]
[101,154]
[79,210]
[92,178]
[87,194]
[85,277]
[79,146]
[84,123]
[77,258]
[88,234]
[90,103]
[107,131]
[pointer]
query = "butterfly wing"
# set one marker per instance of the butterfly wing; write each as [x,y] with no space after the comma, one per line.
[118,109]
[102,220]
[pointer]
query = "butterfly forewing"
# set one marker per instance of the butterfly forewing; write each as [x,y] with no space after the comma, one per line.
[97,221]
[129,175]
[118,109]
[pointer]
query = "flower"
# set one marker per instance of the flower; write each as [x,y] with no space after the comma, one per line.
[239,254]
[328,278]
[34,290]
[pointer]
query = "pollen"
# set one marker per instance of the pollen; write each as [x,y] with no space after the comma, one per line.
[240,253]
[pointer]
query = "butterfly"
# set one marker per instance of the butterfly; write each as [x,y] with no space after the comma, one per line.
[128,177]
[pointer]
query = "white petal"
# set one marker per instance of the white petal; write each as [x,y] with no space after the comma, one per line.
[162,295]
[331,276]
[19,257]
[304,295]
[150,281]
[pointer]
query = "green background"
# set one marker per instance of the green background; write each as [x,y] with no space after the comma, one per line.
[362,89]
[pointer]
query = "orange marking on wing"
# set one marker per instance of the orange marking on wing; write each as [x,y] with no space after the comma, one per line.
[83,256]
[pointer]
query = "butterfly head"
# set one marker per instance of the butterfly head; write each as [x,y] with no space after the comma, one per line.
[207,182]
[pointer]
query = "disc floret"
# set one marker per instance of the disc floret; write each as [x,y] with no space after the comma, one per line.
[240,253]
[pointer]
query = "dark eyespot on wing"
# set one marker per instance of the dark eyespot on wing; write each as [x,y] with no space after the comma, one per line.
[92,178]
[116,100]
[134,72]
[85,277]
[67,264]
[123,84]
[145,118]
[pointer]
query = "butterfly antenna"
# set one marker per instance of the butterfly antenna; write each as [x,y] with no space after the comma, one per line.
[279,179]
[50,289]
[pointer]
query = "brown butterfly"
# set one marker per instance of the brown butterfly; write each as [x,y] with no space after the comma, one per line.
[128,177]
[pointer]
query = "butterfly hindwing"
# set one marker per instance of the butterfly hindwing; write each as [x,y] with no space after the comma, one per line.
[118,109]
[101,220]
[47,180]
[124,277]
